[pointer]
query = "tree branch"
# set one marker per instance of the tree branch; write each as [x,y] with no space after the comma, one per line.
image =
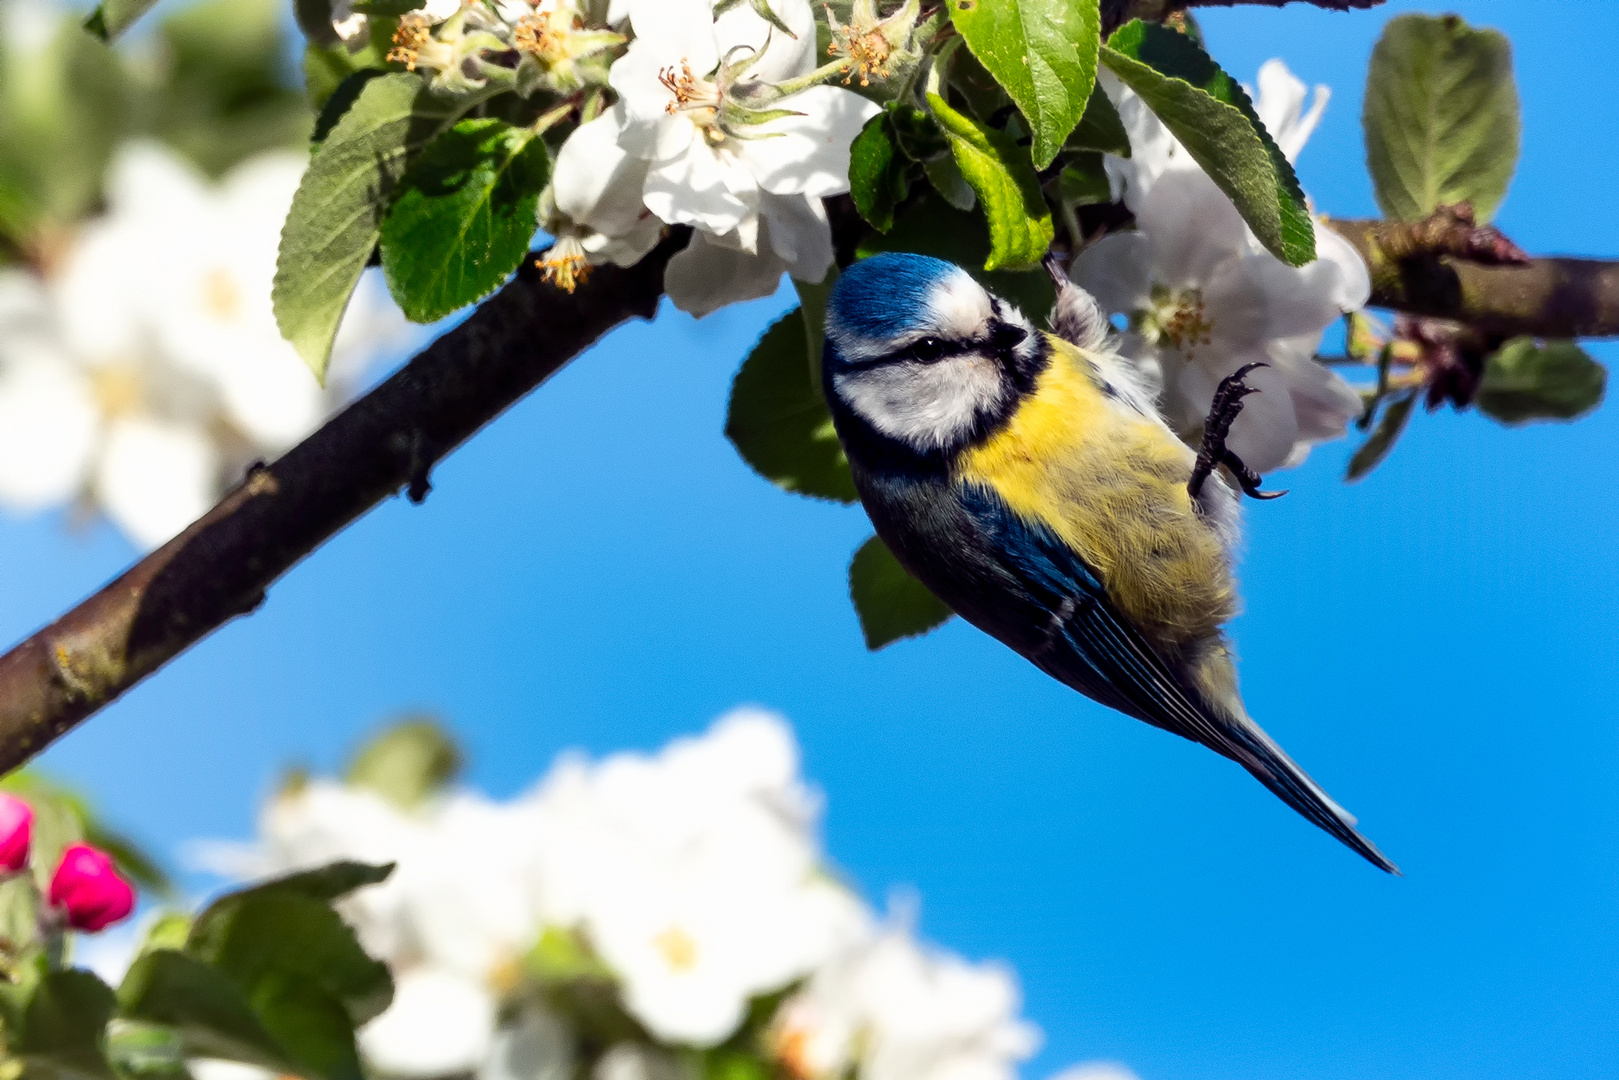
[1447,274]
[220,567]
[1115,13]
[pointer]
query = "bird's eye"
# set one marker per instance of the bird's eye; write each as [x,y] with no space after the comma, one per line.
[927,350]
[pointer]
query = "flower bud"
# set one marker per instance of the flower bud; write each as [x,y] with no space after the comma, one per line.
[88,890]
[16,833]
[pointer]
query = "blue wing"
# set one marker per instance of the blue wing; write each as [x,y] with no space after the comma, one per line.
[1068,626]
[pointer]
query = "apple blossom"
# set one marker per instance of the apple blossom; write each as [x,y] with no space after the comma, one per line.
[1204,297]
[721,129]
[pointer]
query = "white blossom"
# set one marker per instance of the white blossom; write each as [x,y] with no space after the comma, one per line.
[1205,298]
[693,873]
[895,1011]
[439,1023]
[696,152]
[146,371]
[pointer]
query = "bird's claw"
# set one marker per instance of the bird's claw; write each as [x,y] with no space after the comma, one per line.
[1227,404]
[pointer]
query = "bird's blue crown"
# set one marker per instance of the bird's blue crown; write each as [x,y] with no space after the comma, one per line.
[884,296]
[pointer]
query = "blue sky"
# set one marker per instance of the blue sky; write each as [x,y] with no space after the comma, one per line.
[598,569]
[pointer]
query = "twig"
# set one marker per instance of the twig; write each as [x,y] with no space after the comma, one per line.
[220,567]
[1546,298]
[1115,13]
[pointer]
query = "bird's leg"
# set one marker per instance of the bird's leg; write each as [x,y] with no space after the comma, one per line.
[1227,404]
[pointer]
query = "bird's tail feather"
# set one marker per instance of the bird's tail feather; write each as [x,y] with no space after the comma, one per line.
[1259,754]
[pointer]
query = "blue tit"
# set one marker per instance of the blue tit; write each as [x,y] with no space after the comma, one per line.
[1028,480]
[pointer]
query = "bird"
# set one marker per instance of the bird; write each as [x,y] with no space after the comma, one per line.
[1028,480]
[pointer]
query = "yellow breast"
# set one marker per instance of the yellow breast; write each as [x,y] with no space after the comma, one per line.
[1112,485]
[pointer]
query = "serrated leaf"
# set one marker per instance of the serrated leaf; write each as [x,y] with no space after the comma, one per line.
[336,216]
[890,602]
[463,217]
[1000,172]
[210,1012]
[1043,52]
[876,173]
[1100,128]
[65,1025]
[778,420]
[1210,113]
[1377,447]
[112,17]
[1525,381]
[331,882]
[928,226]
[812,298]
[406,763]
[1441,117]
[310,1022]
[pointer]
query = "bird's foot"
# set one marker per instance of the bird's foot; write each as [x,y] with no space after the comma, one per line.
[1227,404]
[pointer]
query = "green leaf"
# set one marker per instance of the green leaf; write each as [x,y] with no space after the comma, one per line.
[1043,52]
[890,602]
[407,763]
[778,420]
[333,81]
[147,1051]
[1100,128]
[330,882]
[1524,381]
[202,1003]
[945,176]
[1084,182]
[812,298]
[112,17]
[999,171]
[928,226]
[310,1022]
[1209,112]
[1441,117]
[1375,449]
[878,175]
[64,1027]
[336,216]
[251,935]
[464,216]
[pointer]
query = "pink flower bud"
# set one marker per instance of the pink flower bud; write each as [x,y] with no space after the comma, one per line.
[16,833]
[88,890]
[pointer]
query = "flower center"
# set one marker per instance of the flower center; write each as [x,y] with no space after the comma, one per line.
[678,948]
[697,97]
[409,41]
[117,389]
[221,295]
[541,36]
[868,53]
[1178,319]
[565,264]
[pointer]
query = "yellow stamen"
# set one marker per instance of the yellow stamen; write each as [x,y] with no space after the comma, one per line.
[221,295]
[564,265]
[678,948]
[409,40]
[541,36]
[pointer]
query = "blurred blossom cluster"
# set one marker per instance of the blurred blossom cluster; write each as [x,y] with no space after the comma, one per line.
[637,918]
[1203,297]
[141,370]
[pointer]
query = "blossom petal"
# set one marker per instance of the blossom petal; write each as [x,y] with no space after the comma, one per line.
[1264,432]
[155,478]
[439,1023]
[706,276]
[595,181]
[706,187]
[1116,270]
[1280,106]
[808,154]
[1192,225]
[48,426]
[739,32]
[798,231]
[668,33]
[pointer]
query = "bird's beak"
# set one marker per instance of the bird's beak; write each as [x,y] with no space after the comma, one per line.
[1004,337]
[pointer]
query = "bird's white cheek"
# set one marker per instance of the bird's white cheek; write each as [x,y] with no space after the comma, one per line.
[928,406]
